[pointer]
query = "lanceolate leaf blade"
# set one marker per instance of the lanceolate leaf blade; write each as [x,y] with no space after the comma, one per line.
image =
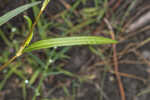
[6,17]
[69,41]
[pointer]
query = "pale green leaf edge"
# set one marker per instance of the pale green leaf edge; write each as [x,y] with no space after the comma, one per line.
[6,17]
[68,41]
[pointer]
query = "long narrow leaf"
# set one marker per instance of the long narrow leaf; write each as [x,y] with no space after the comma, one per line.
[6,17]
[69,41]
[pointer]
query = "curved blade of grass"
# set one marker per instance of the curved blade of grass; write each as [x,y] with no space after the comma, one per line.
[29,21]
[6,17]
[69,41]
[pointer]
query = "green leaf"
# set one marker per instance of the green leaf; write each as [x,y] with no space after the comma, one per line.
[6,17]
[68,41]
[29,21]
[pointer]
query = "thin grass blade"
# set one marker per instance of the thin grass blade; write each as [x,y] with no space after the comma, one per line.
[6,17]
[69,41]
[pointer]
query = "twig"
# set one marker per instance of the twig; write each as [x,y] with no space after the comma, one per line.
[116,61]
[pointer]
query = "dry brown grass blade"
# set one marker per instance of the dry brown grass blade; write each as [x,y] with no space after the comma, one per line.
[67,6]
[132,47]
[142,57]
[116,61]
[116,5]
[130,76]
[130,21]
[132,34]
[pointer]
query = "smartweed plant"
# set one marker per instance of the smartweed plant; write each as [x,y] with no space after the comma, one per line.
[52,42]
